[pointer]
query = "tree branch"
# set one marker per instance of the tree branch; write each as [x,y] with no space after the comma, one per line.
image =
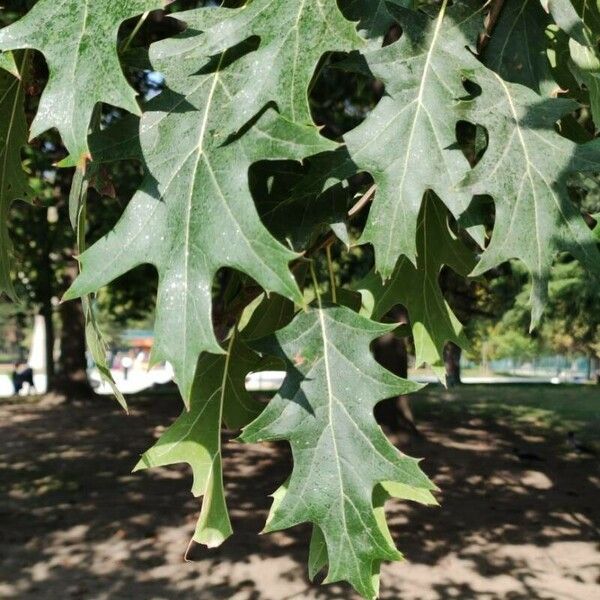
[490,23]
[249,294]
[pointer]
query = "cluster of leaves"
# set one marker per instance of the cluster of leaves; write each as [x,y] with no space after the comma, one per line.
[242,190]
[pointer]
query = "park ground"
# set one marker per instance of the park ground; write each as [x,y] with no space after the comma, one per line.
[519,516]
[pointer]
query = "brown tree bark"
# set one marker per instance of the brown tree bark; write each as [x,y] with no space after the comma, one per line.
[594,369]
[46,310]
[390,352]
[452,354]
[71,377]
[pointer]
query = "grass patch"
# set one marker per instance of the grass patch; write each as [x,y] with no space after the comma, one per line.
[550,409]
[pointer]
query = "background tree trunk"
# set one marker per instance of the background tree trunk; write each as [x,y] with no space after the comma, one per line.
[46,312]
[595,369]
[452,354]
[20,320]
[390,352]
[45,285]
[72,379]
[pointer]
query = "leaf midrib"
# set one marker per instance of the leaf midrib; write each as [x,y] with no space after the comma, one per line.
[330,400]
[188,215]
[528,167]
[419,101]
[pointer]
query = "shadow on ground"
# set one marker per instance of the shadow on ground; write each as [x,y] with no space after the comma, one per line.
[517,519]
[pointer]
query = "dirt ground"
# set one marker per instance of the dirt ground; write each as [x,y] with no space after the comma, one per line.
[519,518]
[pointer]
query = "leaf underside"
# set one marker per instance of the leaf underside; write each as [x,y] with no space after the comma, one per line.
[79,41]
[408,142]
[218,396]
[417,288]
[324,409]
[194,213]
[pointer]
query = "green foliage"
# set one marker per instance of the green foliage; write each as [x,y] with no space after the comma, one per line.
[408,142]
[239,178]
[293,36]
[78,198]
[7,62]
[325,410]
[570,325]
[581,20]
[218,395]
[418,289]
[13,179]
[511,344]
[517,48]
[180,218]
[374,16]
[79,41]
[525,168]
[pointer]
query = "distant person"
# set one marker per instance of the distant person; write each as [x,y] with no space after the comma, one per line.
[22,375]
[126,364]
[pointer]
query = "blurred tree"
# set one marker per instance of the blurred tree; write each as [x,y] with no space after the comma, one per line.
[512,344]
[570,326]
[44,249]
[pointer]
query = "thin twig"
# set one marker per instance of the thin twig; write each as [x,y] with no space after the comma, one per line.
[367,197]
[251,293]
[330,237]
[331,275]
[491,21]
[135,31]
[315,282]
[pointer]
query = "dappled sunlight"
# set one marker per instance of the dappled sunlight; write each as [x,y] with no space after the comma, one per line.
[513,524]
